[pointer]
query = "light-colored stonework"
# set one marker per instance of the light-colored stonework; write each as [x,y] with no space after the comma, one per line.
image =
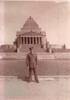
[31,34]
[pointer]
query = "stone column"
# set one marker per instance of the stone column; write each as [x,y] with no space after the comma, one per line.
[33,40]
[26,40]
[20,39]
[23,40]
[40,40]
[37,40]
[29,40]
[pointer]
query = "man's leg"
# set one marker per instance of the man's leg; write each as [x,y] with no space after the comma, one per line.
[30,74]
[35,75]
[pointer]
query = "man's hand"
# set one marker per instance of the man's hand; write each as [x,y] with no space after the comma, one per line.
[27,65]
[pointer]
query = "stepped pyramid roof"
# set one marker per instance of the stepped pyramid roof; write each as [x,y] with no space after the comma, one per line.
[30,25]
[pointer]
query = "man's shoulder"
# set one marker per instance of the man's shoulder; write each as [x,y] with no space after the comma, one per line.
[28,54]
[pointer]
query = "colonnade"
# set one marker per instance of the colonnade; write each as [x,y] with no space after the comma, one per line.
[30,40]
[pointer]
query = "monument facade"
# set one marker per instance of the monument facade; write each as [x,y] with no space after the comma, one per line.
[31,34]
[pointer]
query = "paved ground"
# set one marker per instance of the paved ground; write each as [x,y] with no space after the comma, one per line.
[57,88]
[48,89]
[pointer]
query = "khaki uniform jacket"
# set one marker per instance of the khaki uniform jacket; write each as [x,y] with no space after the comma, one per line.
[31,60]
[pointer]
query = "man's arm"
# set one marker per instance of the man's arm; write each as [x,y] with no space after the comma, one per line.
[36,60]
[27,60]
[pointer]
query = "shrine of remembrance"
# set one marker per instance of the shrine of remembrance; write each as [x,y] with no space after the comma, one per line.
[30,34]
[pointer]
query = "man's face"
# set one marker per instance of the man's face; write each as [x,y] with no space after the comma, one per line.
[31,50]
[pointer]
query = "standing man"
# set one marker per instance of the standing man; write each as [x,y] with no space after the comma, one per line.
[31,62]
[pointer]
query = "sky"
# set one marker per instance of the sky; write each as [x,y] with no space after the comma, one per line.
[53,17]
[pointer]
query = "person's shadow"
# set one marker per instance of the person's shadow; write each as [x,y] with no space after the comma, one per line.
[23,78]
[23,74]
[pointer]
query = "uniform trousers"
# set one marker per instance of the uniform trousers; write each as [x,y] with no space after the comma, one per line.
[34,72]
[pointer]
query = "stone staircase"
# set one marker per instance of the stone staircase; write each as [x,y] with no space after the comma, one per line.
[36,48]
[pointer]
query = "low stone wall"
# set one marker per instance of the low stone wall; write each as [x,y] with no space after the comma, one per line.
[54,56]
[41,55]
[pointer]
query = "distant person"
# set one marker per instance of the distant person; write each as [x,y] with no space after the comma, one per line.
[31,62]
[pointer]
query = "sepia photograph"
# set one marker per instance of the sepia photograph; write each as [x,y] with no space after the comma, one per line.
[35,50]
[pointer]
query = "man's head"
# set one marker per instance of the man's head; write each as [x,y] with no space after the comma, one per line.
[31,49]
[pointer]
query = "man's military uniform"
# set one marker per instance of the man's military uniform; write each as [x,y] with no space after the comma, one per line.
[31,61]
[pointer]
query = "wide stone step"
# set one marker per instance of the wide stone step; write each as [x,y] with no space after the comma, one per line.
[25,48]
